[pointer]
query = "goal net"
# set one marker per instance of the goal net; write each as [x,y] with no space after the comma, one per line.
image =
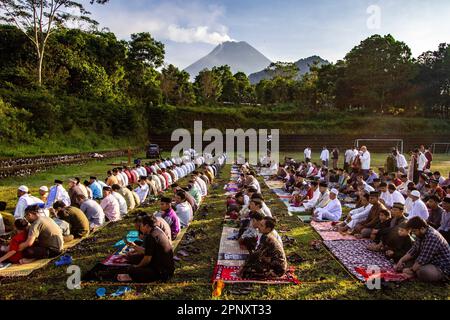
[441,147]
[380,145]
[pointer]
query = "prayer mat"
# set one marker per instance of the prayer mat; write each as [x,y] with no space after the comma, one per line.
[230,252]
[229,274]
[23,270]
[355,257]
[274,184]
[305,219]
[132,236]
[118,258]
[388,276]
[324,229]
[296,209]
[350,205]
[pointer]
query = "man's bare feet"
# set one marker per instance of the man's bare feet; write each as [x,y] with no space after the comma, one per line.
[26,261]
[124,278]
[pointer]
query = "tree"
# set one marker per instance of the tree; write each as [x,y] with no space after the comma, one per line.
[38,19]
[434,79]
[285,70]
[145,54]
[208,87]
[376,71]
[175,86]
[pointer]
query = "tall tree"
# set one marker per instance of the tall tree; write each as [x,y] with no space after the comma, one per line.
[376,70]
[175,86]
[208,87]
[38,19]
[434,79]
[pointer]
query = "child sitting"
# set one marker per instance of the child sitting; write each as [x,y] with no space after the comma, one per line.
[396,243]
[13,254]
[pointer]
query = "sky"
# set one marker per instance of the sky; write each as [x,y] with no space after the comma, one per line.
[283,30]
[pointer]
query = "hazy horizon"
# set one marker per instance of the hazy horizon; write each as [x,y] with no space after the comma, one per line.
[286,31]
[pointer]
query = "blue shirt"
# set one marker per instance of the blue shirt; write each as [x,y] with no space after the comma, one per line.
[97,191]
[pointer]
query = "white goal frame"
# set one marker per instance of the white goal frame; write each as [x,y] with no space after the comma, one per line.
[357,142]
[433,146]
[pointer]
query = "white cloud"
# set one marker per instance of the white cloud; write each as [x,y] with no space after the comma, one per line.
[187,22]
[196,34]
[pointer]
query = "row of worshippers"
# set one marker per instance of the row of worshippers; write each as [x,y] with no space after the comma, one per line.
[383,214]
[76,215]
[151,256]
[257,232]
[354,158]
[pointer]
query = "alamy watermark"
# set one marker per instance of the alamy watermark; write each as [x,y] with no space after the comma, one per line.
[374,20]
[261,144]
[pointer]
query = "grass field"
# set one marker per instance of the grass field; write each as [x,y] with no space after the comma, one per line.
[322,277]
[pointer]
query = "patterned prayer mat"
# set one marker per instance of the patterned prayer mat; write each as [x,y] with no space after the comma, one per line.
[230,252]
[356,258]
[229,274]
[274,184]
[324,229]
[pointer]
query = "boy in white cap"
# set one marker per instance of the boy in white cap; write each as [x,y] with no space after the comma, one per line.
[332,211]
[419,208]
[43,192]
[25,200]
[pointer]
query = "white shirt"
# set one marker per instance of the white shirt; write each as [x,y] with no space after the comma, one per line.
[387,198]
[401,161]
[311,202]
[408,205]
[142,192]
[307,153]
[25,201]
[397,197]
[124,178]
[349,154]
[325,155]
[122,203]
[61,195]
[419,209]
[334,208]
[365,160]
[421,161]
[184,213]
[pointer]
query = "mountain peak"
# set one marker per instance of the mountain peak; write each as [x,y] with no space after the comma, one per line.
[239,55]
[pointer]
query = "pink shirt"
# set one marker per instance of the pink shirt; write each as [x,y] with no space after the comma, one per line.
[111,208]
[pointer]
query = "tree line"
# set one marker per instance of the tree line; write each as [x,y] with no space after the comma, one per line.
[57,80]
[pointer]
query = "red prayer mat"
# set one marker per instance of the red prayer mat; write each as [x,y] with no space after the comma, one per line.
[228,274]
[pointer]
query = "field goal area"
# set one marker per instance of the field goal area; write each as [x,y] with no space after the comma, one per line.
[441,147]
[380,145]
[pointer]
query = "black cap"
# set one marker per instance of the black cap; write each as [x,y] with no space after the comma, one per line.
[107,188]
[93,178]
[375,193]
[166,200]
[323,184]
[58,181]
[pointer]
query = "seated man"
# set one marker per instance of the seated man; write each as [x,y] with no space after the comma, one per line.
[332,211]
[395,243]
[419,208]
[156,263]
[183,209]
[12,254]
[93,211]
[169,215]
[430,254]
[436,212]
[45,239]
[444,228]
[110,205]
[142,190]
[357,215]
[120,199]
[364,229]
[79,223]
[269,259]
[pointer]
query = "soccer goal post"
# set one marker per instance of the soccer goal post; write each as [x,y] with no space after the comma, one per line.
[380,145]
[441,147]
